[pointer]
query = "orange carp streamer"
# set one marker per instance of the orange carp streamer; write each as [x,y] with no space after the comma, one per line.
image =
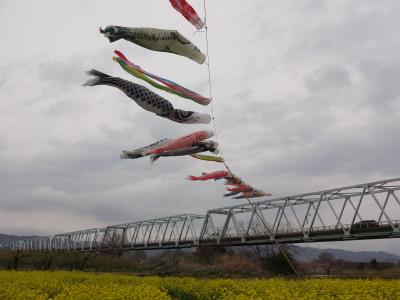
[207,176]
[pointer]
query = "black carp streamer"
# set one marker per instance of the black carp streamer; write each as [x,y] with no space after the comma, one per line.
[147,99]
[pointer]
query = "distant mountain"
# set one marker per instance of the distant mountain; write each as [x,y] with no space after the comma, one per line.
[309,253]
[4,238]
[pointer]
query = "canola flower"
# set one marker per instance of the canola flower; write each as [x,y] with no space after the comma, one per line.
[24,285]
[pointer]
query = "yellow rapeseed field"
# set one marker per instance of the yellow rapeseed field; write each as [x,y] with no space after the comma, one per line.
[78,285]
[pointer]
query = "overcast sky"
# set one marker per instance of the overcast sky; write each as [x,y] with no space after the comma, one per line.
[306,97]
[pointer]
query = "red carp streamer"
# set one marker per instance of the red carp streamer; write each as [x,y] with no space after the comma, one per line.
[188,12]
[181,142]
[240,188]
[233,180]
[207,176]
[235,185]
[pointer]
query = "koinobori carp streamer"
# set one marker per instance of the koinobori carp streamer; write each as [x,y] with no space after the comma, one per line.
[167,85]
[207,176]
[195,148]
[218,159]
[188,12]
[237,184]
[204,146]
[192,144]
[233,179]
[231,194]
[238,188]
[162,40]
[184,141]
[241,188]
[137,153]
[147,99]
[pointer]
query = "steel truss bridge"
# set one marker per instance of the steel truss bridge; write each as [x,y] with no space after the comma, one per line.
[364,211]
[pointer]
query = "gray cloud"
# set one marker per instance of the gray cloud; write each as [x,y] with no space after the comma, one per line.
[327,78]
[3,4]
[380,82]
[2,80]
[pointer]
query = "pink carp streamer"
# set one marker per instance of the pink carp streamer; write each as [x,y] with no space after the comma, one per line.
[240,188]
[167,85]
[188,12]
[181,142]
[237,185]
[207,176]
[233,180]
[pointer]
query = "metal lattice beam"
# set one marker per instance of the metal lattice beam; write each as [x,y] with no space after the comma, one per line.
[363,211]
[320,216]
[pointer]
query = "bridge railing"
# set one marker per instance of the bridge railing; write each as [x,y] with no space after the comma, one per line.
[329,228]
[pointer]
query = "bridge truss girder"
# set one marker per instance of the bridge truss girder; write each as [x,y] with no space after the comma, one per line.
[335,214]
[174,232]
